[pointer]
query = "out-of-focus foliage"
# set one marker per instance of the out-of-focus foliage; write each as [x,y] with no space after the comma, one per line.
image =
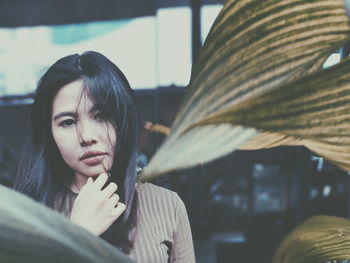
[320,239]
[259,83]
[32,233]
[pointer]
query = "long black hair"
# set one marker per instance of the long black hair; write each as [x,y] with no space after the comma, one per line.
[43,175]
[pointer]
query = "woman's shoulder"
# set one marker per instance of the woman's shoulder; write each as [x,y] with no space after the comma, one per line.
[152,189]
[158,204]
[151,193]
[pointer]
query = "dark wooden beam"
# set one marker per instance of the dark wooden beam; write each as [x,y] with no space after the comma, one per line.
[15,13]
[178,3]
[196,28]
[345,50]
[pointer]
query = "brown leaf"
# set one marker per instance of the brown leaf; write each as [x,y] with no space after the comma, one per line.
[254,49]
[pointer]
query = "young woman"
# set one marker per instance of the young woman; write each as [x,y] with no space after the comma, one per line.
[82,162]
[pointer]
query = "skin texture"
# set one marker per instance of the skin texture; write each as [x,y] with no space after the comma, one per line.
[78,129]
[96,209]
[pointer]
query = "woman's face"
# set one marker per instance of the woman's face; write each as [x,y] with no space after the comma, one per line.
[84,138]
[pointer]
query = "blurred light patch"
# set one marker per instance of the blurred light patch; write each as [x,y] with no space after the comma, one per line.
[25,53]
[68,34]
[332,60]
[208,16]
[151,51]
[327,190]
[174,46]
[313,193]
[23,57]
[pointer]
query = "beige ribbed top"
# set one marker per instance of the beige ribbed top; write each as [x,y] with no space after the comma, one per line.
[163,232]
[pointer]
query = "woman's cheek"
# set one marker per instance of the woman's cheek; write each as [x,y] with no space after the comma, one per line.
[65,143]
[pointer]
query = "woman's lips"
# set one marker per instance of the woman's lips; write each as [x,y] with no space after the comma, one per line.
[93,160]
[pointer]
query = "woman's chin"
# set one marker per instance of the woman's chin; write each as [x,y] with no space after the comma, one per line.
[93,174]
[94,171]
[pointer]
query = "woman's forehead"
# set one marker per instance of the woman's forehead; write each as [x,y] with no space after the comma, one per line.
[72,97]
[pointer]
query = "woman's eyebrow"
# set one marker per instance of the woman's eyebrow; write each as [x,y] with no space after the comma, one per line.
[95,108]
[64,114]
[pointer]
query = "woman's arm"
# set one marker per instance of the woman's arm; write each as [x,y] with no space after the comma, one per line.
[182,251]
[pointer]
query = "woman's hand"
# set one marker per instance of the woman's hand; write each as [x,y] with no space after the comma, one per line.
[96,209]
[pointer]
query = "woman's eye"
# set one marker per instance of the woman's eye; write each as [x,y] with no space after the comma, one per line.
[100,116]
[67,123]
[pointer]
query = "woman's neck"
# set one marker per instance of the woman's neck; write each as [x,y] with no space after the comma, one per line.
[78,182]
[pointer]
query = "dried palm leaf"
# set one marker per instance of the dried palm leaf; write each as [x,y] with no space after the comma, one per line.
[260,60]
[320,239]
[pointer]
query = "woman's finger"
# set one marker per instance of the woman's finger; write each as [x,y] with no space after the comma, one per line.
[86,186]
[118,210]
[113,201]
[100,181]
[109,190]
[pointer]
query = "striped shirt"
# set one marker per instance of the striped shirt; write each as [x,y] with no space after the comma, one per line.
[163,232]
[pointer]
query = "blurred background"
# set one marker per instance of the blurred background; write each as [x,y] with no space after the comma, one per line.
[240,206]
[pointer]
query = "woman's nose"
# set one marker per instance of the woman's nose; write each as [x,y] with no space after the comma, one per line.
[86,134]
